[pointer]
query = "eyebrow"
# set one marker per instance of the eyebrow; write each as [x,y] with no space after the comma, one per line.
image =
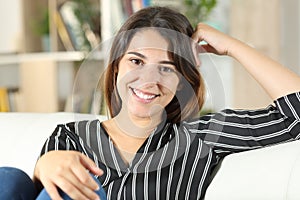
[144,57]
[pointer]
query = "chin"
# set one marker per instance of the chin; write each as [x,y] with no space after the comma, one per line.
[146,112]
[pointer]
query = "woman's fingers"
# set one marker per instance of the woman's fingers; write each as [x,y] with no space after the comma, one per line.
[90,165]
[197,36]
[79,183]
[75,189]
[206,48]
[215,41]
[52,190]
[84,178]
[69,171]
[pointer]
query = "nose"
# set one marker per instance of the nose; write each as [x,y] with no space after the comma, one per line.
[149,74]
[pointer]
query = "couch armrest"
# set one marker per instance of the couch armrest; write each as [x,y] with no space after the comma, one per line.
[268,173]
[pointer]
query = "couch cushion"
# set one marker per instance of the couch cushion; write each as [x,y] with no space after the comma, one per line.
[271,173]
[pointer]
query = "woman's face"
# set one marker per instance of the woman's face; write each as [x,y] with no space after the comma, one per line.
[147,78]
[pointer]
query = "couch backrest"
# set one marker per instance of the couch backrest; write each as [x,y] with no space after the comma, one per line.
[22,135]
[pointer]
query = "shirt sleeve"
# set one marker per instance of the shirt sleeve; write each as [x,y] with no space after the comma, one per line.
[60,140]
[231,131]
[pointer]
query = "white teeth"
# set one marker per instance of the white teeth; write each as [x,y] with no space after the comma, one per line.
[142,95]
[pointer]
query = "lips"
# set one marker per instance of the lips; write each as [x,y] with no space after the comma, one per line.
[143,95]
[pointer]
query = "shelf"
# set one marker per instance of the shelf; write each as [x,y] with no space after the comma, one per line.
[54,56]
[63,56]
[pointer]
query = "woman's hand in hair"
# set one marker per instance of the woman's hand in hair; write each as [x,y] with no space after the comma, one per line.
[214,41]
[67,170]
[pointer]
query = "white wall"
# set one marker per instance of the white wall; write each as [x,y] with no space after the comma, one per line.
[11,25]
[219,73]
[290,34]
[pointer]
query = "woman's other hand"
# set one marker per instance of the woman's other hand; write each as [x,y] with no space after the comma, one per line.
[69,171]
[215,41]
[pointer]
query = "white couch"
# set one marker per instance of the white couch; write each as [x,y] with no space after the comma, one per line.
[271,173]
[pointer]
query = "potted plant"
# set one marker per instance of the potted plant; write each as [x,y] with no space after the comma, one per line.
[198,10]
[40,27]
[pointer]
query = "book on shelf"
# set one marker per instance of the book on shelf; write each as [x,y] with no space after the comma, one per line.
[131,6]
[4,102]
[63,32]
[92,103]
[75,31]
[9,99]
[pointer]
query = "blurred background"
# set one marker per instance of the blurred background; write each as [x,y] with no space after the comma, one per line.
[44,43]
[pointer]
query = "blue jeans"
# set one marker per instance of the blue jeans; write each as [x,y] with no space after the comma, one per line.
[17,185]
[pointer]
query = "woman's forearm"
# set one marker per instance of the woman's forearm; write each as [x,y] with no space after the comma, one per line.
[276,79]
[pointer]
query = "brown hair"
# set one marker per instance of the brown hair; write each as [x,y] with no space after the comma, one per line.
[187,101]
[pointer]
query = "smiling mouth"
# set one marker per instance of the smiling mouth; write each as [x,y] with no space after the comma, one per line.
[143,95]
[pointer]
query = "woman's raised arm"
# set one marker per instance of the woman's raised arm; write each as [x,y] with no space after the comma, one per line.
[276,79]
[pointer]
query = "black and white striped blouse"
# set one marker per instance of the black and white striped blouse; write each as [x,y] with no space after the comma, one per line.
[176,161]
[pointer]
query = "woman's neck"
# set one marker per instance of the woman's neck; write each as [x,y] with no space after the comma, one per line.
[140,127]
[129,133]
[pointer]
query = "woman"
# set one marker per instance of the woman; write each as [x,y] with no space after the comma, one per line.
[154,146]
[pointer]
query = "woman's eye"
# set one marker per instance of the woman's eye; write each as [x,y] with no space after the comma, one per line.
[166,69]
[137,61]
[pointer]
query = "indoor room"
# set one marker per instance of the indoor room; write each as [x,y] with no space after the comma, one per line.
[56,67]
